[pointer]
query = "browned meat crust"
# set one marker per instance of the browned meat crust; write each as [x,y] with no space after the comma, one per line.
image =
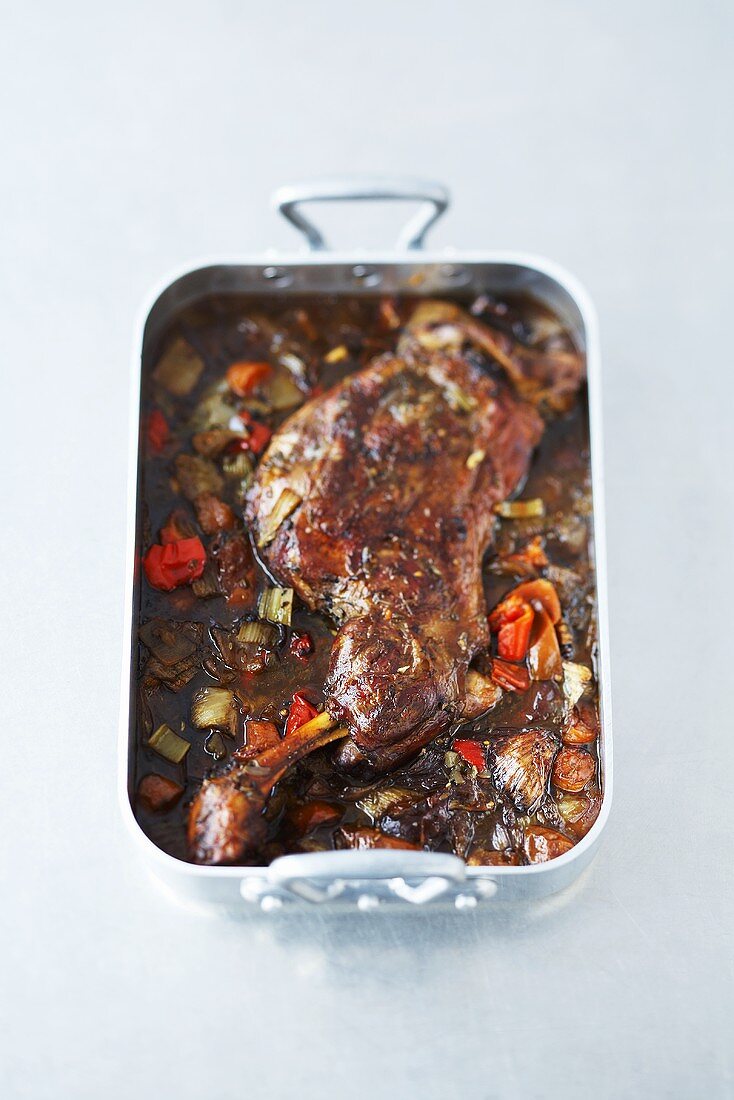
[396,471]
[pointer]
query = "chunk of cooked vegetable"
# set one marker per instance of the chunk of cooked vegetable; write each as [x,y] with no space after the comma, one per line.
[157,793]
[196,475]
[244,376]
[521,766]
[215,708]
[260,633]
[157,431]
[540,593]
[299,713]
[512,620]
[179,368]
[544,654]
[576,679]
[362,837]
[276,605]
[168,567]
[520,509]
[510,676]
[213,514]
[542,844]
[472,752]
[573,769]
[168,744]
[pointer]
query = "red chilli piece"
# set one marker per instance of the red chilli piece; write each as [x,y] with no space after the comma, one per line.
[472,752]
[157,431]
[177,563]
[300,712]
[301,645]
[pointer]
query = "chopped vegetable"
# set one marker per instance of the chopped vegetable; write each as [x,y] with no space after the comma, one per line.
[238,466]
[337,354]
[215,707]
[575,681]
[311,815]
[276,605]
[581,730]
[521,766]
[167,567]
[157,431]
[573,769]
[179,368]
[178,526]
[301,645]
[299,713]
[215,746]
[532,554]
[213,514]
[213,442]
[168,744]
[540,593]
[475,459]
[513,620]
[283,393]
[170,642]
[196,475]
[257,437]
[472,752]
[157,793]
[285,505]
[258,632]
[542,844]
[544,654]
[243,377]
[362,836]
[520,509]
[509,676]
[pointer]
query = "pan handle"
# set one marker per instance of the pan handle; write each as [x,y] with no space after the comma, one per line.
[366,878]
[433,197]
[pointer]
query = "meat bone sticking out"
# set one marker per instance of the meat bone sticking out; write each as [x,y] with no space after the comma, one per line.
[374,502]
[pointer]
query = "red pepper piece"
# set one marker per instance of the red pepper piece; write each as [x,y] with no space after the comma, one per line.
[513,637]
[257,438]
[472,752]
[167,567]
[157,431]
[509,676]
[300,712]
[301,645]
[311,815]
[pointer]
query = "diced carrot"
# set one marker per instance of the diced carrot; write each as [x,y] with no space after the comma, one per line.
[472,752]
[244,376]
[509,676]
[509,609]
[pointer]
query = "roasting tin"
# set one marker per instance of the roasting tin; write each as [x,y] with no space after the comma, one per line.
[380,878]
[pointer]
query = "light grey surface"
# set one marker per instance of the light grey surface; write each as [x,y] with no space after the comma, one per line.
[137,139]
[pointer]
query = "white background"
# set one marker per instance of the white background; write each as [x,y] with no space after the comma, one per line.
[138,137]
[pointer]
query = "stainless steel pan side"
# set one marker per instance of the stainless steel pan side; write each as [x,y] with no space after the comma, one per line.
[376,878]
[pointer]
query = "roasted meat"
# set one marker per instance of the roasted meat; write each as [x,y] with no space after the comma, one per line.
[375,503]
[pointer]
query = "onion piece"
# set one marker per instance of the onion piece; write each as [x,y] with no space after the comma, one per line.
[179,368]
[215,708]
[575,680]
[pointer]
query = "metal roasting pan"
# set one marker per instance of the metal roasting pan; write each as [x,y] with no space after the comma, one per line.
[388,879]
